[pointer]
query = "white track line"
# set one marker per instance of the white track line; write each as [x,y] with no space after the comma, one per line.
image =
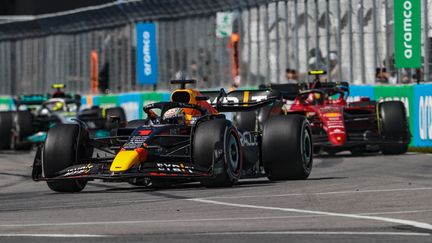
[316,233]
[322,193]
[194,220]
[152,221]
[54,235]
[416,224]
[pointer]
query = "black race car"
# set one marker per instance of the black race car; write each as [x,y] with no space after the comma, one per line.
[185,140]
[36,114]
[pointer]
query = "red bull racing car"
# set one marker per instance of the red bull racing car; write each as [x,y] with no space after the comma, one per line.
[184,140]
[338,125]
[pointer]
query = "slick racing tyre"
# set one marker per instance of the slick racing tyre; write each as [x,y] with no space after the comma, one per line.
[115,112]
[22,128]
[393,125]
[64,146]
[245,121]
[5,129]
[287,151]
[216,143]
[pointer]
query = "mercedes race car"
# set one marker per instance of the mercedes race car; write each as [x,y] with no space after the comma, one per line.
[35,114]
[184,140]
[338,125]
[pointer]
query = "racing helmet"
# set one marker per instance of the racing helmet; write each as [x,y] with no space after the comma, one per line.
[314,98]
[58,106]
[174,116]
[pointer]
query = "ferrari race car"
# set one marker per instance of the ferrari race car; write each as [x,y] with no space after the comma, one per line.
[35,114]
[184,140]
[338,125]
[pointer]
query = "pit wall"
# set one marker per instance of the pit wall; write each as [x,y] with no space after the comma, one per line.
[417,100]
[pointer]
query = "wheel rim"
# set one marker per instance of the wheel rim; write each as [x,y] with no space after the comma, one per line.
[233,152]
[306,148]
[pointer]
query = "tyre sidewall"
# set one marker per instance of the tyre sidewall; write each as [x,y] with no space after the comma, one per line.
[283,148]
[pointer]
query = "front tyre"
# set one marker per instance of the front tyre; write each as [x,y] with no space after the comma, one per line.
[22,128]
[64,146]
[216,143]
[5,129]
[287,151]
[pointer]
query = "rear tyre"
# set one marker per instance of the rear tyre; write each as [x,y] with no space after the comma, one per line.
[64,146]
[287,151]
[393,124]
[245,121]
[5,129]
[216,143]
[22,128]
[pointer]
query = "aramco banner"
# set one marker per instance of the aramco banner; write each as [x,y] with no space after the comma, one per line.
[146,53]
[407,29]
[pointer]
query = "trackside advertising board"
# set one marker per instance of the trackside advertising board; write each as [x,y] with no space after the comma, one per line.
[407,33]
[422,132]
[146,53]
[5,103]
[357,92]
[105,101]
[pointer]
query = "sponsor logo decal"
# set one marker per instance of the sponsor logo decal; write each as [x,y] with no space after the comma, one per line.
[248,139]
[425,118]
[79,170]
[404,100]
[179,168]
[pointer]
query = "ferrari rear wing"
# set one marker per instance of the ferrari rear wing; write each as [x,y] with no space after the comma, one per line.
[241,100]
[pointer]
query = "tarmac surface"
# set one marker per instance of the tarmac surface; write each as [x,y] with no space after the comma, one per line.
[371,198]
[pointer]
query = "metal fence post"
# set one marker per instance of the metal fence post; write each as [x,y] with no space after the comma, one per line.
[258,68]
[387,31]
[297,48]
[277,40]
[286,53]
[350,34]
[249,47]
[306,21]
[317,38]
[375,35]
[327,23]
[426,60]
[267,43]
[361,42]
[339,39]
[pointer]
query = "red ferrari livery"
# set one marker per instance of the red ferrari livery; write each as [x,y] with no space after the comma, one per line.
[338,125]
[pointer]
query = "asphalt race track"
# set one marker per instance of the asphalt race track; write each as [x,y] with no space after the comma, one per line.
[371,198]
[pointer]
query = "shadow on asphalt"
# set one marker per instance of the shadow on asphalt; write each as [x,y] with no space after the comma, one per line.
[176,187]
[16,152]
[327,178]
